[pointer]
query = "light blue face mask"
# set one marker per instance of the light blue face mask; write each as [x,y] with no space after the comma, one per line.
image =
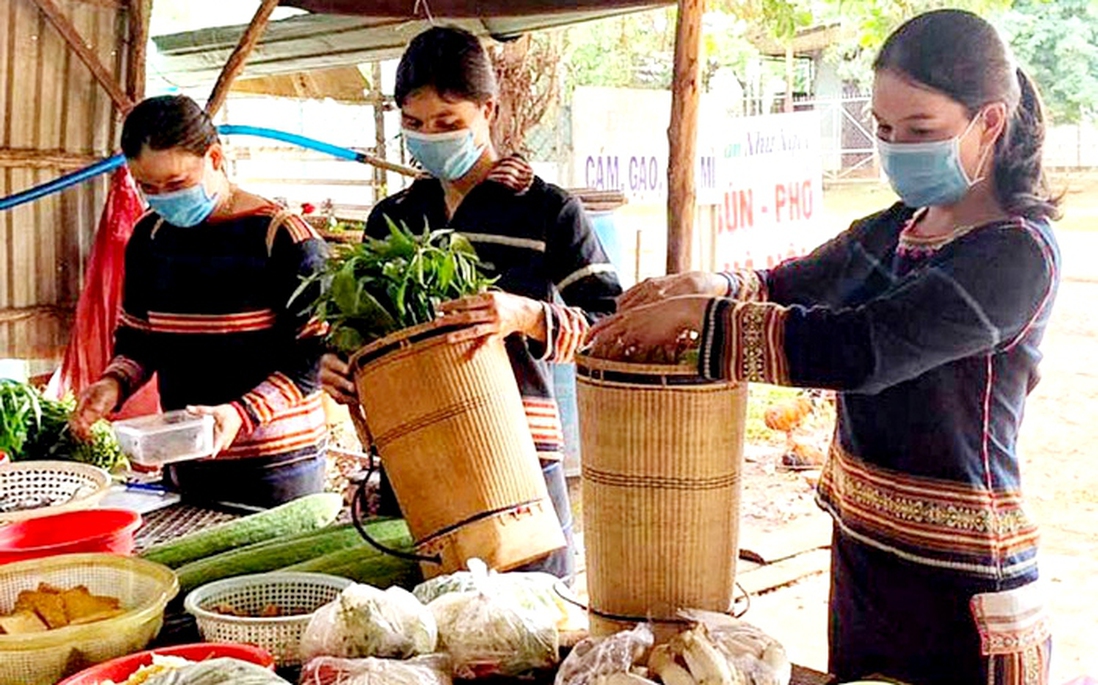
[185,208]
[928,174]
[446,156]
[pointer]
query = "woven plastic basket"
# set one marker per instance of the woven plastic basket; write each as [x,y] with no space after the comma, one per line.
[297,594]
[72,485]
[142,587]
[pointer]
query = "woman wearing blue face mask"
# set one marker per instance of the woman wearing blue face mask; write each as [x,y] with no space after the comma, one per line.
[926,318]
[533,236]
[209,275]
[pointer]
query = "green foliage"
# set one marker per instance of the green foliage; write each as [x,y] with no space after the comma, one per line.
[1057,43]
[35,427]
[379,287]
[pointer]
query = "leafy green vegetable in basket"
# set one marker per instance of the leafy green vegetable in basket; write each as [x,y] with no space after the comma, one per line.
[36,427]
[379,287]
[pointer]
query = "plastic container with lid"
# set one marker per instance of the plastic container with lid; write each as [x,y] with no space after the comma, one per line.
[165,438]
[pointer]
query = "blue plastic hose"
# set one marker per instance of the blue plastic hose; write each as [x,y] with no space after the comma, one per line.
[59,184]
[112,163]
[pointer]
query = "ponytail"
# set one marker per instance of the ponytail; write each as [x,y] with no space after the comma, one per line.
[1020,183]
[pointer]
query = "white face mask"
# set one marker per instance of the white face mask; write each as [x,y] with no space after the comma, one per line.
[929,174]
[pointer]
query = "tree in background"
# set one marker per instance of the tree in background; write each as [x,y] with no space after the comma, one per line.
[1057,43]
[526,70]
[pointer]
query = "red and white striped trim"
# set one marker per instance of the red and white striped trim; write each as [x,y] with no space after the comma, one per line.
[271,398]
[543,417]
[241,322]
[294,429]
[130,321]
[129,371]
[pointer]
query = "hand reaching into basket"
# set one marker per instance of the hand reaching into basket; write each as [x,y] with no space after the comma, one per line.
[651,333]
[652,290]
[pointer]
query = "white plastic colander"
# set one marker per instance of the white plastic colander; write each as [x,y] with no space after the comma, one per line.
[297,596]
[31,489]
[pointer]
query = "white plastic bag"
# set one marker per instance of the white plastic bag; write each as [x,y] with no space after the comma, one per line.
[486,631]
[365,621]
[424,670]
[760,658]
[596,657]
[538,592]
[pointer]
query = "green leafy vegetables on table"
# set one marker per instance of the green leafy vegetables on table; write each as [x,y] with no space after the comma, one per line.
[379,287]
[35,427]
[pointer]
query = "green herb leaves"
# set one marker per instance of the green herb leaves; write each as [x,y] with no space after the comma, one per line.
[382,286]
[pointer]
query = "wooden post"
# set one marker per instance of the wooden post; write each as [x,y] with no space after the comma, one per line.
[235,64]
[378,97]
[683,136]
[78,45]
[789,75]
[140,11]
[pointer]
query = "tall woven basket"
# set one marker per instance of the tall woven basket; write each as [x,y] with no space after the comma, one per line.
[662,461]
[449,424]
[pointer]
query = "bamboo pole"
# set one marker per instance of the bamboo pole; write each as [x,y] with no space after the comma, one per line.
[78,45]
[140,11]
[26,158]
[683,136]
[235,64]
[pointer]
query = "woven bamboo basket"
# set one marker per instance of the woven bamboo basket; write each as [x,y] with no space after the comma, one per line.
[662,461]
[449,424]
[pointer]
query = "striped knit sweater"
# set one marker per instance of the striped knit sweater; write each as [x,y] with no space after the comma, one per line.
[207,309]
[537,240]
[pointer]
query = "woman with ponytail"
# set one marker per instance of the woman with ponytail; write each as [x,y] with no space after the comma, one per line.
[926,319]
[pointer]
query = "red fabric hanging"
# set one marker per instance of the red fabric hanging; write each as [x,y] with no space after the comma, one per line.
[92,338]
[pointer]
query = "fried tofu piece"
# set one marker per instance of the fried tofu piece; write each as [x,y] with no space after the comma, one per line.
[47,605]
[21,623]
[83,607]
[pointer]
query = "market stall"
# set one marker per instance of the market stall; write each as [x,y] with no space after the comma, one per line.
[302,580]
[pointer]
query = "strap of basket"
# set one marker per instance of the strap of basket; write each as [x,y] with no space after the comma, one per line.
[358,510]
[745,598]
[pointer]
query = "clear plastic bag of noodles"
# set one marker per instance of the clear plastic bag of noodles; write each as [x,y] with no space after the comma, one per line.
[433,669]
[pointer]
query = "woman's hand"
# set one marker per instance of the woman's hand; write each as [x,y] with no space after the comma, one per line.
[335,378]
[652,290]
[493,313]
[653,331]
[97,401]
[227,424]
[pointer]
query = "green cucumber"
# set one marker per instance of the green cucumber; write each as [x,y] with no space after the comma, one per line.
[276,554]
[299,516]
[364,564]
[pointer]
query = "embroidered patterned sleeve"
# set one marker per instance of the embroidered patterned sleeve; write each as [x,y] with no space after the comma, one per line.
[980,293]
[585,279]
[297,252]
[131,364]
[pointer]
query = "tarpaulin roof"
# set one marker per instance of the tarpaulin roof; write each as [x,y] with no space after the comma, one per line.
[322,41]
